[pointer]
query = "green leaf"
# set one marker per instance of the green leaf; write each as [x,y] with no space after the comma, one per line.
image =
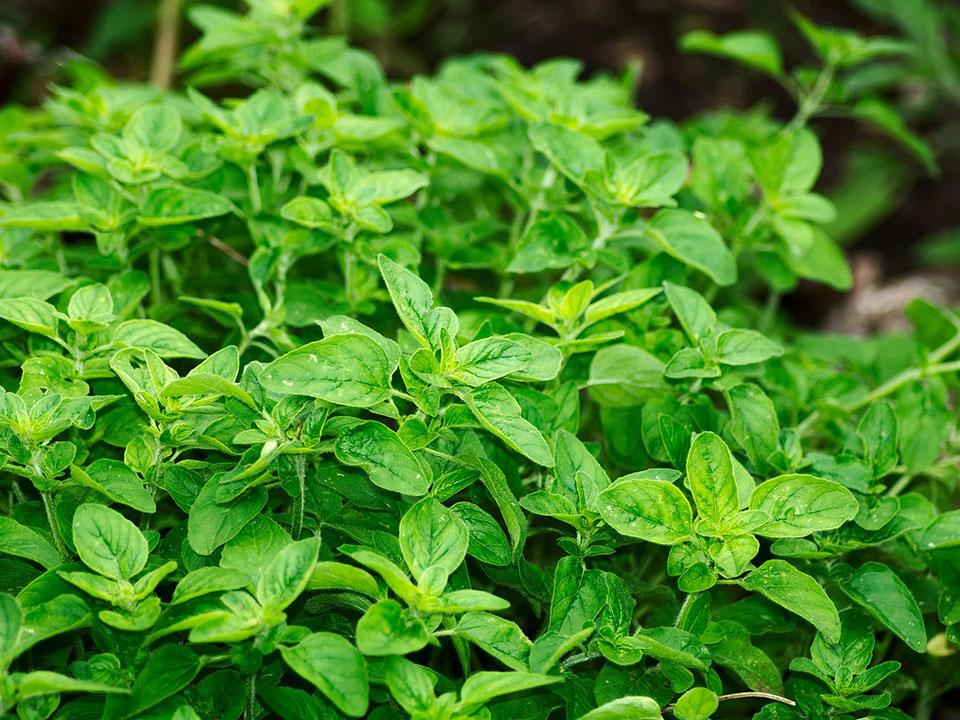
[287,574]
[749,47]
[310,212]
[206,580]
[22,541]
[488,359]
[745,347]
[432,535]
[692,240]
[335,667]
[165,341]
[802,504]
[711,480]
[573,154]
[30,314]
[377,449]
[623,376]
[780,582]
[154,127]
[11,623]
[108,543]
[884,595]
[38,284]
[696,704]
[42,682]
[413,301]
[942,532]
[349,370]
[168,670]
[878,430]
[481,687]
[49,215]
[211,524]
[386,628]
[630,707]
[117,482]
[175,205]
[499,413]
[696,316]
[652,510]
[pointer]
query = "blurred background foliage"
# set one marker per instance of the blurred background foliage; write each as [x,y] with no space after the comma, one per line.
[899,216]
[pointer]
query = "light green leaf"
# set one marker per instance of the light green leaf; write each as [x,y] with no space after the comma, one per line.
[175,205]
[108,543]
[335,667]
[499,413]
[652,510]
[884,595]
[782,583]
[164,340]
[377,449]
[802,504]
[711,480]
[349,370]
[692,240]
[287,574]
[432,535]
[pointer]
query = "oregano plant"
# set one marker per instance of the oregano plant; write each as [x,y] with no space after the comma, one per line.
[470,396]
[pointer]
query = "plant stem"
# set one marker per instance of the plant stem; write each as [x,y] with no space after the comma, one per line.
[251,710]
[253,188]
[156,291]
[743,696]
[165,43]
[49,506]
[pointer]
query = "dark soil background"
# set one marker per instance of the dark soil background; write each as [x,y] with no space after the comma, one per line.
[415,35]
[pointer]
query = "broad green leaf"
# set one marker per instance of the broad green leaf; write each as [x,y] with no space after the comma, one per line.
[623,376]
[802,504]
[696,316]
[335,667]
[108,543]
[884,595]
[30,314]
[117,482]
[696,704]
[44,215]
[252,549]
[482,361]
[630,707]
[154,127]
[432,535]
[750,47]
[711,480]
[387,628]
[782,583]
[11,623]
[211,524]
[165,341]
[652,510]
[206,580]
[499,413]
[22,541]
[42,682]
[175,205]
[413,302]
[692,240]
[753,422]
[878,431]
[573,154]
[349,370]
[38,284]
[377,450]
[481,687]
[745,347]
[168,670]
[287,574]
[942,532]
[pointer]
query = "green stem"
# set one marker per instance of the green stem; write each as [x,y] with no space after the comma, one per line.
[251,710]
[253,188]
[49,506]
[156,290]
[165,43]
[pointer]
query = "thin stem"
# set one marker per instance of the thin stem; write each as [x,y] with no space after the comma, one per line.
[49,507]
[251,710]
[253,188]
[900,485]
[156,291]
[744,696]
[165,44]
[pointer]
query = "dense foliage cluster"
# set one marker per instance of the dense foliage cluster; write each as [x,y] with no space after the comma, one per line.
[467,397]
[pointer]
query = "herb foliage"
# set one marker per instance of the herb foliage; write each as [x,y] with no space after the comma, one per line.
[466,397]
